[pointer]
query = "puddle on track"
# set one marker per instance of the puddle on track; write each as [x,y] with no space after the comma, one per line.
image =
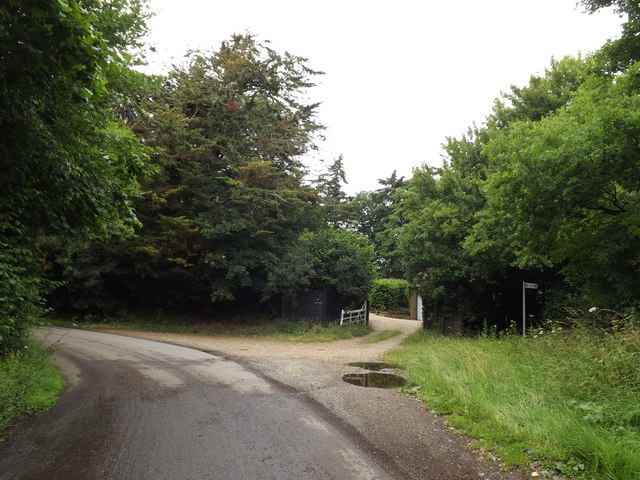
[375,380]
[377,366]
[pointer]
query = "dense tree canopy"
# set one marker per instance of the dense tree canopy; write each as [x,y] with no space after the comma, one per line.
[232,130]
[331,258]
[440,209]
[60,171]
[546,190]
[336,204]
[440,246]
[618,54]
[69,165]
[569,187]
[375,217]
[227,202]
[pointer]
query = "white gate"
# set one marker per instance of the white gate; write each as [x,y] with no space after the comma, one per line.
[354,316]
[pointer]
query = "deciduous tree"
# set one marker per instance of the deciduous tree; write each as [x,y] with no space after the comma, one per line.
[565,190]
[69,166]
[619,53]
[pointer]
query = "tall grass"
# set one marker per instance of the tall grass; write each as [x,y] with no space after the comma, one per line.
[305,331]
[570,400]
[29,383]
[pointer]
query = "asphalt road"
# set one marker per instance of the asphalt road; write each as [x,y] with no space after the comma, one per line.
[137,409]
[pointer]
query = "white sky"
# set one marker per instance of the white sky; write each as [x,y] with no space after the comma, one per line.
[400,76]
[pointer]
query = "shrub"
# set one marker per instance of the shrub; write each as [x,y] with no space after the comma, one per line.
[29,382]
[389,294]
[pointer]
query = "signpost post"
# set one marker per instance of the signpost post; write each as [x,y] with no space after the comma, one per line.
[525,286]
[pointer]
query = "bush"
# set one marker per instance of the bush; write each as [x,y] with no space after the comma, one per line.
[29,383]
[331,258]
[20,291]
[389,295]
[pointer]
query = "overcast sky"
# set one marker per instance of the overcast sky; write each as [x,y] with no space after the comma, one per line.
[400,76]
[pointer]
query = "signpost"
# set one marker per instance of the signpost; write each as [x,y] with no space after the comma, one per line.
[525,286]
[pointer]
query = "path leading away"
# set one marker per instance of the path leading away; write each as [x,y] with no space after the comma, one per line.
[397,429]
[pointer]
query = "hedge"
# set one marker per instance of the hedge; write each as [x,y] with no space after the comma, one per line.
[389,295]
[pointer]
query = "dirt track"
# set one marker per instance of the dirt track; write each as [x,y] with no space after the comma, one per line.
[395,426]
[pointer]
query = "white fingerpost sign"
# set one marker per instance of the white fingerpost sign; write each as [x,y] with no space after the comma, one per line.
[525,286]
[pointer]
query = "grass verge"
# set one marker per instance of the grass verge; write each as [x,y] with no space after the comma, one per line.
[29,383]
[568,400]
[285,331]
[382,336]
[313,332]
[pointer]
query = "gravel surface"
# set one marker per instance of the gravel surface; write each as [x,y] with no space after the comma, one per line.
[409,440]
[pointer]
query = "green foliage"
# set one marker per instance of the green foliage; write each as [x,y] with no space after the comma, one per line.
[226,200]
[543,95]
[374,217]
[21,287]
[336,207]
[620,53]
[29,383]
[547,190]
[389,294]
[69,165]
[121,23]
[330,258]
[440,209]
[564,191]
[567,399]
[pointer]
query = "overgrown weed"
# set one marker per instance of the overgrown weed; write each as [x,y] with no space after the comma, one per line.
[565,397]
[29,383]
